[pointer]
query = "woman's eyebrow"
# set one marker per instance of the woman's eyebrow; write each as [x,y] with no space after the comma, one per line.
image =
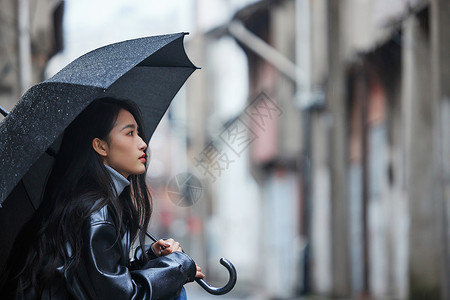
[128,126]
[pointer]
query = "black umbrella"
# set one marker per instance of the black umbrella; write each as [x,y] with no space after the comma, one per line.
[149,71]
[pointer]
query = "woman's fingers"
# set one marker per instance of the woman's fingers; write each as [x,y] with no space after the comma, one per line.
[168,246]
[165,247]
[199,273]
[163,244]
[159,246]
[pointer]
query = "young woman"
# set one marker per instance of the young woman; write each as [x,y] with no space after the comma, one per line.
[77,246]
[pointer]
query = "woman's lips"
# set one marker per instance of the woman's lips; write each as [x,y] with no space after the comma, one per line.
[142,158]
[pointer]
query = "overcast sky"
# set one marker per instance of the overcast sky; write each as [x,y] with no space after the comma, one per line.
[91,24]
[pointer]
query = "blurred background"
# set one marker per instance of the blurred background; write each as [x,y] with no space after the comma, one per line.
[311,149]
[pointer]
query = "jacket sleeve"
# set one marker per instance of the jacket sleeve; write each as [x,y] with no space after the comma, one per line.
[103,273]
[139,258]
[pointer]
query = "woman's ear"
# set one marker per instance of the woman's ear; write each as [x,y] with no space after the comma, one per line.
[100,146]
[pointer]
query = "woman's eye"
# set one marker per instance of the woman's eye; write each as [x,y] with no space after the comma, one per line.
[130,133]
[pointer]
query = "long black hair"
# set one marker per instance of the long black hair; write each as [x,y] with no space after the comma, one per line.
[78,185]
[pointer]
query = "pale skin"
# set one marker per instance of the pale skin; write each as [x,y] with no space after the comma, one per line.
[125,152]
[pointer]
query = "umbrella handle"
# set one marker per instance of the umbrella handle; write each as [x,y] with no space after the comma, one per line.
[204,284]
[226,288]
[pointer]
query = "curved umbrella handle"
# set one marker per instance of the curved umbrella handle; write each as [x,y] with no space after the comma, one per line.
[226,288]
[205,285]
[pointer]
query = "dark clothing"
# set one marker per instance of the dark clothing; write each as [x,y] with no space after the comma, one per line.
[105,271]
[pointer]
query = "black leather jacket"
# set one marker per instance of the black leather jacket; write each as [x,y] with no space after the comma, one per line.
[105,270]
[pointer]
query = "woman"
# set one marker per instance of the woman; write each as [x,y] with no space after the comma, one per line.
[78,243]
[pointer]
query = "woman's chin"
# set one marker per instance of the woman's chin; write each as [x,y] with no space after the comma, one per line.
[140,171]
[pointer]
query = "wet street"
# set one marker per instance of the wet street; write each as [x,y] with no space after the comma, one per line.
[195,292]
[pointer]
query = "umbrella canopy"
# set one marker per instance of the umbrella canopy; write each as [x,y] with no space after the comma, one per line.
[148,71]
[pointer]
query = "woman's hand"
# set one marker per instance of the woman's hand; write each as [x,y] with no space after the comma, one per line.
[199,273]
[165,247]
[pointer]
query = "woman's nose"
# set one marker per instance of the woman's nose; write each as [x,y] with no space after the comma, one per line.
[142,145]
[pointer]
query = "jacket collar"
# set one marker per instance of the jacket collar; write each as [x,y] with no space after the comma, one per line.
[120,182]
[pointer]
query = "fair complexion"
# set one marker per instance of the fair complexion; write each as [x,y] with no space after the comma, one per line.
[124,151]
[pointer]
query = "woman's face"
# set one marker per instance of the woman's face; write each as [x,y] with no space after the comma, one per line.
[125,150]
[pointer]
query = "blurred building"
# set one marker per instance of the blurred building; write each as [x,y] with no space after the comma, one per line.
[345,117]
[31,33]
[386,102]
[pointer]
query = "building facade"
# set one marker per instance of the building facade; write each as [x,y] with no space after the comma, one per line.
[31,33]
[351,163]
